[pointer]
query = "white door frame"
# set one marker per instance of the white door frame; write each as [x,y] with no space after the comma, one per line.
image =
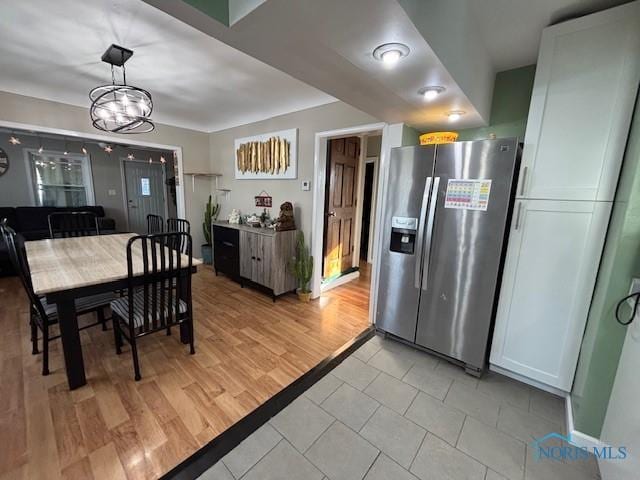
[116,140]
[123,179]
[319,184]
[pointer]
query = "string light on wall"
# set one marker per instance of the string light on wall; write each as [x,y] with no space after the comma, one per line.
[40,147]
[13,140]
[162,159]
[108,148]
[66,148]
[120,108]
[131,156]
[84,148]
[150,160]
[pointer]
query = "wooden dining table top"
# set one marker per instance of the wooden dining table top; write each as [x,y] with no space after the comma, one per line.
[68,263]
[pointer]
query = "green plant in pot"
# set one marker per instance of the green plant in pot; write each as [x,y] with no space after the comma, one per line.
[301,267]
[210,214]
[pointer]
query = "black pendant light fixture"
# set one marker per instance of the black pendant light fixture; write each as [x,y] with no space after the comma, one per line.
[120,108]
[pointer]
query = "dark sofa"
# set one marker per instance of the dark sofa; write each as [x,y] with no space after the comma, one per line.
[32,223]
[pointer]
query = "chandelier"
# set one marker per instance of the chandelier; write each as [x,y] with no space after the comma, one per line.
[120,108]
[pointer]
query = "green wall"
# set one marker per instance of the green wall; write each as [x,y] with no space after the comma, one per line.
[604,337]
[509,107]
[218,9]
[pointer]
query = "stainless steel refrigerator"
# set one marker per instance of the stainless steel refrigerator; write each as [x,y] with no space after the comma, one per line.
[444,227]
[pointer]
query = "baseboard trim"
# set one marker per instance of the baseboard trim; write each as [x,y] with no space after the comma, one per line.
[212,452]
[577,437]
[341,280]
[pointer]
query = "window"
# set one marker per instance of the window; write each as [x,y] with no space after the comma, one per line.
[60,180]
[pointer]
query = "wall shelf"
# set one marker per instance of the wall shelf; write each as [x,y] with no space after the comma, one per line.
[195,175]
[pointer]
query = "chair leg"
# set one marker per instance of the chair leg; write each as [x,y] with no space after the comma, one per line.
[136,363]
[101,319]
[169,331]
[192,335]
[45,349]
[117,336]
[34,336]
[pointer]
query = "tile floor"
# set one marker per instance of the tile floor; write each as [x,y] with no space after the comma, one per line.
[391,412]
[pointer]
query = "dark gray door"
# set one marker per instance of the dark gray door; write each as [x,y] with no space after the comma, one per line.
[410,172]
[145,192]
[464,245]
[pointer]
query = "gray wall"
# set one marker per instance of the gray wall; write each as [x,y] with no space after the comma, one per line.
[308,122]
[15,190]
[195,145]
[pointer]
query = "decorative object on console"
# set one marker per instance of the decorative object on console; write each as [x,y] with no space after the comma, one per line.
[210,215]
[120,108]
[301,267]
[285,221]
[234,217]
[271,155]
[264,200]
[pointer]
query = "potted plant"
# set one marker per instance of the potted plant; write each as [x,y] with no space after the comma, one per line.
[210,214]
[301,267]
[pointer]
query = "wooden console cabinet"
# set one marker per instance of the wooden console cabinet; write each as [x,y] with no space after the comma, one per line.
[254,256]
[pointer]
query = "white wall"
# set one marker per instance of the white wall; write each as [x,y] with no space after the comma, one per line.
[195,145]
[308,122]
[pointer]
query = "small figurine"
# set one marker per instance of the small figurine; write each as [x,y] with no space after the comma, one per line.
[285,221]
[234,217]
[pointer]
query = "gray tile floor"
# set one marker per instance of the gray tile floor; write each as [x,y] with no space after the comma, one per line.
[392,412]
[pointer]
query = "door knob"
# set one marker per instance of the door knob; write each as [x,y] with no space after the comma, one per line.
[331,214]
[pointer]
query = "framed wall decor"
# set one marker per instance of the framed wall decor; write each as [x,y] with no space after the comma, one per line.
[271,155]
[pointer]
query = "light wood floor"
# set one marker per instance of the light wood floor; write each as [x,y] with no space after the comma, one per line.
[247,349]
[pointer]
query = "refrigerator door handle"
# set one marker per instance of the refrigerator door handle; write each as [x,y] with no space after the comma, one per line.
[430,220]
[419,240]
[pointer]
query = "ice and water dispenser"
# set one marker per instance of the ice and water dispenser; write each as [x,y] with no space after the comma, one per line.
[403,234]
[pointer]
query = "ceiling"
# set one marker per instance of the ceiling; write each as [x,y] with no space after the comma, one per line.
[511,29]
[52,50]
[279,56]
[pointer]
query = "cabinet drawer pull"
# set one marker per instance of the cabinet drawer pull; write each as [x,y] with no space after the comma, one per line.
[518,216]
[253,258]
[228,244]
[524,180]
[259,259]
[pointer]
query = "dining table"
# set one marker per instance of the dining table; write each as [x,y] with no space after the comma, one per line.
[64,269]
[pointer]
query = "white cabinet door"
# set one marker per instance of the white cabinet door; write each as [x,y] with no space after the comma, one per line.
[550,271]
[583,95]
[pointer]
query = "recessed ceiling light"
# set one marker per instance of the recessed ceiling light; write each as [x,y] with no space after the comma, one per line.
[454,115]
[390,53]
[431,92]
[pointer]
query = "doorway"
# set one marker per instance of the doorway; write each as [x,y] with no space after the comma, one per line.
[340,206]
[145,193]
[368,200]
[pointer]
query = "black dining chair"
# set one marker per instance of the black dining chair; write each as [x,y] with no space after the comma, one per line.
[73,224]
[158,293]
[179,225]
[155,224]
[43,315]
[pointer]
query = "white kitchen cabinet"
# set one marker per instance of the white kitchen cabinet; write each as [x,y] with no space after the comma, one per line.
[583,95]
[549,276]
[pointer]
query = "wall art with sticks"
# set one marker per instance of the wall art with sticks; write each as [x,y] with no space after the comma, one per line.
[268,156]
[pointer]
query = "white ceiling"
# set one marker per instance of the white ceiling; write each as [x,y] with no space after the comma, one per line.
[52,49]
[511,29]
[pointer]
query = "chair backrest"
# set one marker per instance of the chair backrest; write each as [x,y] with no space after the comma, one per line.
[18,257]
[179,225]
[155,224]
[165,273]
[73,224]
